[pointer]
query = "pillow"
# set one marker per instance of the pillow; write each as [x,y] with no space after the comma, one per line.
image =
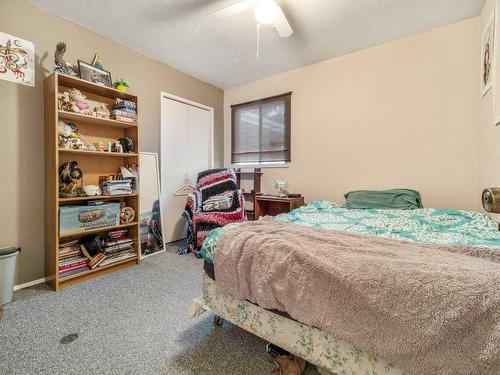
[218,202]
[403,199]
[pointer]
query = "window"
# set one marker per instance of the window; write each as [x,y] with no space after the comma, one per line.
[260,131]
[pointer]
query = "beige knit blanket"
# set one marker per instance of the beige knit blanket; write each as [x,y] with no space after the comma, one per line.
[429,309]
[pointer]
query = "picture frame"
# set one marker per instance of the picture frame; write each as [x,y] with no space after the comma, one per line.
[487,66]
[90,73]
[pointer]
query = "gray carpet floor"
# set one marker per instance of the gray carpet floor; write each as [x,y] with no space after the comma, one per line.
[132,321]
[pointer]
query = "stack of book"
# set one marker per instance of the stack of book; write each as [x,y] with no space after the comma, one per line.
[117,187]
[71,259]
[118,246]
[124,110]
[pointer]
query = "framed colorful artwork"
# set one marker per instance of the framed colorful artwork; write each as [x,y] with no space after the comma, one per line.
[17,60]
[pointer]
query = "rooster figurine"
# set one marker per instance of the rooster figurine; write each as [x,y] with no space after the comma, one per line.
[69,176]
[62,66]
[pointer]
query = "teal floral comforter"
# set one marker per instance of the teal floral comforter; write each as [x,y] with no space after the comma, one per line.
[426,225]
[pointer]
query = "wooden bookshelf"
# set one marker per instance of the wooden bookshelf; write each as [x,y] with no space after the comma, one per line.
[92,163]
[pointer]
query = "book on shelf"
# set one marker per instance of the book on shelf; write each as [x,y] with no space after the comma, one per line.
[118,233]
[71,259]
[125,104]
[97,260]
[117,187]
[117,248]
[69,255]
[72,272]
[124,113]
[124,119]
[74,264]
[80,267]
[114,259]
[117,241]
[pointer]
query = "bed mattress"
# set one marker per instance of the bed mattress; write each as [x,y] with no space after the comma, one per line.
[309,343]
[424,225]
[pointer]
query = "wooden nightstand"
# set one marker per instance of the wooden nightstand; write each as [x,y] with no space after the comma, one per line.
[270,205]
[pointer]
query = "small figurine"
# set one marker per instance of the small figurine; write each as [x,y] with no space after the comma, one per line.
[99,146]
[281,184]
[62,66]
[118,147]
[92,190]
[121,85]
[101,111]
[73,101]
[70,138]
[69,176]
[127,144]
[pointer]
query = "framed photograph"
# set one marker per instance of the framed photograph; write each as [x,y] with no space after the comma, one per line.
[17,60]
[92,74]
[488,55]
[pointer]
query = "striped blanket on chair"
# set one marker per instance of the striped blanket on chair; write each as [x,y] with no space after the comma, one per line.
[216,201]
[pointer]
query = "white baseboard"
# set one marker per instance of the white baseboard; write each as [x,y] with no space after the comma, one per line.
[28,284]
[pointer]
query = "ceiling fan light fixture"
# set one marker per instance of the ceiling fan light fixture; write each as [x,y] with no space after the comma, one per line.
[266,12]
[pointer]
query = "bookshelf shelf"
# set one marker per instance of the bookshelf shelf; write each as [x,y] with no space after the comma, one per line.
[97,197]
[70,116]
[93,164]
[100,269]
[99,153]
[98,230]
[80,84]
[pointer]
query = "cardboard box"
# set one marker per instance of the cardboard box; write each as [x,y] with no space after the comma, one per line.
[78,219]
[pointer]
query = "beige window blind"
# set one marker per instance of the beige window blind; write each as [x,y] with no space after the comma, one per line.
[260,130]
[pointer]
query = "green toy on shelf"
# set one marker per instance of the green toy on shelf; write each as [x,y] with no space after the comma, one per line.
[121,85]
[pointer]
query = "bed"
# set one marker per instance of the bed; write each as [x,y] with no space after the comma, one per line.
[434,227]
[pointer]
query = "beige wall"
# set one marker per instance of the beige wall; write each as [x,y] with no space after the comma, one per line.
[489,139]
[21,119]
[403,114]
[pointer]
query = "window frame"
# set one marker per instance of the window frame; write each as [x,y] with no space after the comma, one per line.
[287,96]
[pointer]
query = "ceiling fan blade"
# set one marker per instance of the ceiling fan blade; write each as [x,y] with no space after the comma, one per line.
[238,7]
[282,26]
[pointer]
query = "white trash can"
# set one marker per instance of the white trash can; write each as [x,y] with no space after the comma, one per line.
[8,256]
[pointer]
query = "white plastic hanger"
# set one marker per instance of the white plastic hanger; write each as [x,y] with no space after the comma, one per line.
[186,189]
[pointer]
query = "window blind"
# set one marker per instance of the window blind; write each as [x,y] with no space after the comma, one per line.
[261,130]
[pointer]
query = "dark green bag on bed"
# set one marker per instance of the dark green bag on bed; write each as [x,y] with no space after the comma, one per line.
[403,199]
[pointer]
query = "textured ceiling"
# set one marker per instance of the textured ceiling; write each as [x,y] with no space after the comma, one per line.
[223,51]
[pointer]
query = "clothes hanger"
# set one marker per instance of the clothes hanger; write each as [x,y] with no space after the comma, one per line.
[186,188]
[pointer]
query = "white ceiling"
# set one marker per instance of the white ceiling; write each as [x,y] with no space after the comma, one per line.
[223,51]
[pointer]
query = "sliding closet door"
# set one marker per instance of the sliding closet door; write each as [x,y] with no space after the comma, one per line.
[200,136]
[186,149]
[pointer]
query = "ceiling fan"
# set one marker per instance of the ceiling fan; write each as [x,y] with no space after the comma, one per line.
[266,12]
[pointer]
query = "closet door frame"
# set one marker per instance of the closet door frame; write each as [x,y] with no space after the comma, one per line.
[166,95]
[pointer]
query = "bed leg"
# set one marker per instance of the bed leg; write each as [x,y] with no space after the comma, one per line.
[218,320]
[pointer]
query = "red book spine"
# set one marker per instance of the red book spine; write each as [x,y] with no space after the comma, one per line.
[73,266]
